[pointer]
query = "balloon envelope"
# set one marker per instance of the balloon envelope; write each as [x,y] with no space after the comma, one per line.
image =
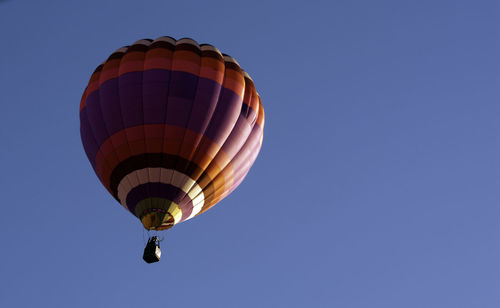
[170,128]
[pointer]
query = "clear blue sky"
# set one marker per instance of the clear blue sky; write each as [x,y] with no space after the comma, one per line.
[377,185]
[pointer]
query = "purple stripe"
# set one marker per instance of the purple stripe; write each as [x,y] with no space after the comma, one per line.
[110,105]
[155,93]
[95,118]
[122,101]
[241,173]
[180,98]
[249,159]
[205,101]
[160,190]
[225,116]
[238,137]
[130,91]
[248,112]
[250,147]
[87,136]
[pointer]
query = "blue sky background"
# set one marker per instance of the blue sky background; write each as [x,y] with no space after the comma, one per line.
[377,184]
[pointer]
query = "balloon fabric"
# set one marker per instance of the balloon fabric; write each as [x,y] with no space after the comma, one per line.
[170,127]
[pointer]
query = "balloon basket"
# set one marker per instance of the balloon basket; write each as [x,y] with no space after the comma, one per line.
[152,252]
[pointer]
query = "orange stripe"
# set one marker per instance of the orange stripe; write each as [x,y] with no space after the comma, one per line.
[223,191]
[110,70]
[157,63]
[212,69]
[234,81]
[186,66]
[254,103]
[91,87]
[219,189]
[132,62]
[260,118]
[83,100]
[186,55]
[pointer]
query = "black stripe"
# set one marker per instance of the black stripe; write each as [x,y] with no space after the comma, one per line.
[138,47]
[98,69]
[188,47]
[233,66]
[212,54]
[116,55]
[162,44]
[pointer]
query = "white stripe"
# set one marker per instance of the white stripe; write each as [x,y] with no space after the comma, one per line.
[165,176]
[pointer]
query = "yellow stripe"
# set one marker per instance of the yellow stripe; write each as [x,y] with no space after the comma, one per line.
[154,220]
[175,211]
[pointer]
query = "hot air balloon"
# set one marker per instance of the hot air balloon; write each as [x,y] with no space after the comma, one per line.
[170,127]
